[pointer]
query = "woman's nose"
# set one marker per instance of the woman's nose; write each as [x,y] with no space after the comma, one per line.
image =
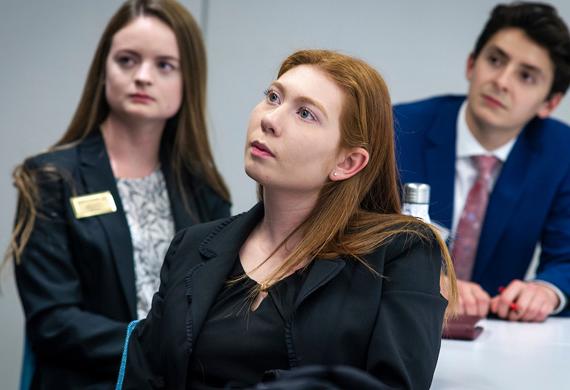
[270,122]
[143,74]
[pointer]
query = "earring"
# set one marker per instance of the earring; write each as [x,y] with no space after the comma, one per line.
[334,173]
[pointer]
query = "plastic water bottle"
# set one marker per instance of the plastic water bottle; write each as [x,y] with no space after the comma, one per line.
[416,201]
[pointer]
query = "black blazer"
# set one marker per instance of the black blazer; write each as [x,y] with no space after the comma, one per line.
[76,278]
[389,326]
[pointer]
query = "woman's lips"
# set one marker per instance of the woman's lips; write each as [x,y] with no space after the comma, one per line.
[141,97]
[260,150]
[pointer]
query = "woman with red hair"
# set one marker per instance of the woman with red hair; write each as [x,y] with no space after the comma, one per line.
[324,282]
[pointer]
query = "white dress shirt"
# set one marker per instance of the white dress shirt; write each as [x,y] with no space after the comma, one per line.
[466,174]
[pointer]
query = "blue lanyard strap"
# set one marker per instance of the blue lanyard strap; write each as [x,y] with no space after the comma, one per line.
[130,329]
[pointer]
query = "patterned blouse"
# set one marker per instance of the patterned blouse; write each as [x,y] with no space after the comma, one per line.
[149,216]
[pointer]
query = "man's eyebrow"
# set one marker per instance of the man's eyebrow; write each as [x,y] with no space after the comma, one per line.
[302,99]
[528,67]
[497,50]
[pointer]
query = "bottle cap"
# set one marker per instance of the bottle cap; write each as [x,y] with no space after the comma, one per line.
[416,193]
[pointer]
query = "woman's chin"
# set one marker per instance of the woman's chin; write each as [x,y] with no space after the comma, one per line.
[253,172]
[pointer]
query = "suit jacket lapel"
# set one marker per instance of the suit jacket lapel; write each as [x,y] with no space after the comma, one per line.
[503,199]
[440,159]
[97,176]
[219,251]
[206,279]
[182,217]
[320,273]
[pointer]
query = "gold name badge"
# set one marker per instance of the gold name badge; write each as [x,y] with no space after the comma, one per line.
[93,204]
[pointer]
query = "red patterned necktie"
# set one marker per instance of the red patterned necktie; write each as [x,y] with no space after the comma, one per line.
[469,227]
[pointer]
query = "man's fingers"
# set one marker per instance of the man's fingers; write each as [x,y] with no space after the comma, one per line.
[473,299]
[506,299]
[483,300]
[525,301]
[541,305]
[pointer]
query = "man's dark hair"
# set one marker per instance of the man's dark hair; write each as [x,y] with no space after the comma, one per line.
[542,24]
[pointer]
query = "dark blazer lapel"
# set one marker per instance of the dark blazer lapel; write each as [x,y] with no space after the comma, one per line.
[182,217]
[440,159]
[219,251]
[320,273]
[502,201]
[180,213]
[97,176]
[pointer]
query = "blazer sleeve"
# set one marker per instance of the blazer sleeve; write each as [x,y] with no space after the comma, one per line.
[141,367]
[51,293]
[554,266]
[405,343]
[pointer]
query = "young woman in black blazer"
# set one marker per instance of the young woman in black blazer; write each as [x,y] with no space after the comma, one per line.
[97,211]
[323,283]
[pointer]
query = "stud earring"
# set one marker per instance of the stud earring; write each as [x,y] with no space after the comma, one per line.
[334,173]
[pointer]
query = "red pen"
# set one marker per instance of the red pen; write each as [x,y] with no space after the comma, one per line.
[512,306]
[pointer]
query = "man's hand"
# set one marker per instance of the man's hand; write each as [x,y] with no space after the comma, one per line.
[473,300]
[525,301]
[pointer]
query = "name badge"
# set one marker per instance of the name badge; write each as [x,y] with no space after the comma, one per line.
[93,204]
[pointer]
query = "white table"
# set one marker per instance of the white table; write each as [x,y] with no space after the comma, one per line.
[508,355]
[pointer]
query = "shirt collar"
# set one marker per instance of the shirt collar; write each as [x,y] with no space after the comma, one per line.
[467,144]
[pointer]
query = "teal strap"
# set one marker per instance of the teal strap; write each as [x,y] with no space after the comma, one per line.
[28,365]
[130,329]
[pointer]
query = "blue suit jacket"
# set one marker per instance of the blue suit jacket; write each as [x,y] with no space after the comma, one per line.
[530,201]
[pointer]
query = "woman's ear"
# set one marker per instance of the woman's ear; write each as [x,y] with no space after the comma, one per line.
[351,162]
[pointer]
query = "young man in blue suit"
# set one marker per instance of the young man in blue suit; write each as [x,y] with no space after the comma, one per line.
[499,168]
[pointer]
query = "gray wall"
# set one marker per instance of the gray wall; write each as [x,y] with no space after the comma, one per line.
[419,46]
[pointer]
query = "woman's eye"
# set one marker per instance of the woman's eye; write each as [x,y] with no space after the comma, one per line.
[272,96]
[305,113]
[166,66]
[125,61]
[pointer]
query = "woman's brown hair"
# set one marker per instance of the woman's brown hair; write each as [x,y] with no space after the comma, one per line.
[355,216]
[185,137]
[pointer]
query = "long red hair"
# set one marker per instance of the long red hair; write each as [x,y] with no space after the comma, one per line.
[355,216]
